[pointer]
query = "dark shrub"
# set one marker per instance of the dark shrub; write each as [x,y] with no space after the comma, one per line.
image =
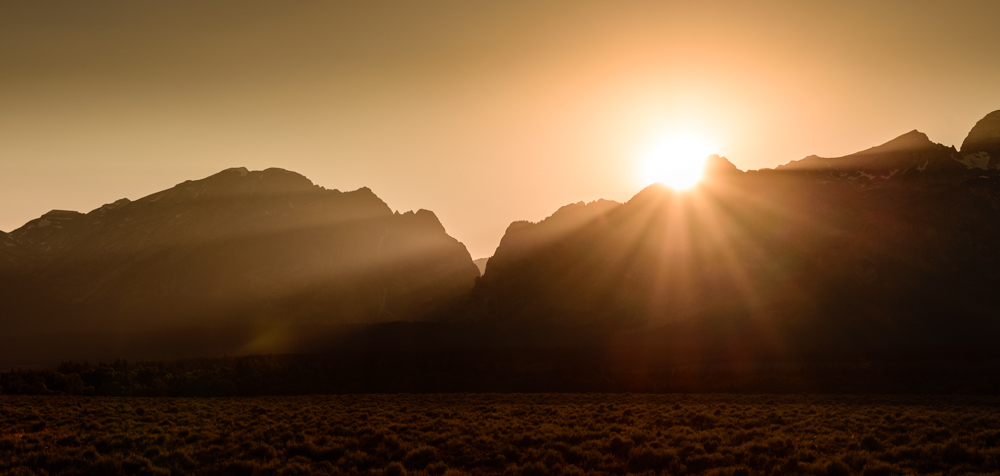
[619,447]
[90,454]
[420,457]
[181,460]
[104,466]
[879,469]
[645,458]
[297,466]
[356,459]
[136,465]
[837,468]
[871,444]
[954,453]
[552,458]
[394,469]
[572,470]
[437,469]
[534,469]
[242,468]
[262,451]
[307,450]
[152,452]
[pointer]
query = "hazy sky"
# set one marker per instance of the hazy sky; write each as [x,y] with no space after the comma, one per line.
[484,112]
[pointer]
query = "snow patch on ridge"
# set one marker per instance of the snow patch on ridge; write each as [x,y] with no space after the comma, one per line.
[890,174]
[978,160]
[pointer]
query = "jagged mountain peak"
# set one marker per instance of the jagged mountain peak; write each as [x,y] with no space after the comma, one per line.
[715,165]
[910,141]
[422,216]
[575,211]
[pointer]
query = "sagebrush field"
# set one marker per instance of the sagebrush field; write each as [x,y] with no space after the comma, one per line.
[529,435]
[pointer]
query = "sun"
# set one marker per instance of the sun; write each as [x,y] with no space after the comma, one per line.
[676,160]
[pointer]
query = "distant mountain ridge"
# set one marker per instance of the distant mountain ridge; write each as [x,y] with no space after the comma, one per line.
[481,264]
[910,153]
[239,248]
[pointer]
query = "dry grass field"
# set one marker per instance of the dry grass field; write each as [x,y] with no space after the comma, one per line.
[511,435]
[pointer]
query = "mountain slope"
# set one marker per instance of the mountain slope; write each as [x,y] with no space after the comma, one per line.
[981,148]
[8,251]
[238,248]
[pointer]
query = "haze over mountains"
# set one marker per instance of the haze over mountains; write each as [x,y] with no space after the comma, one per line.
[244,253]
[891,250]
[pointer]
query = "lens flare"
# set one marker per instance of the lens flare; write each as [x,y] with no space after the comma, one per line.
[676,161]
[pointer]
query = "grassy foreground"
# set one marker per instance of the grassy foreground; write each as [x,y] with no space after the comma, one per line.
[513,435]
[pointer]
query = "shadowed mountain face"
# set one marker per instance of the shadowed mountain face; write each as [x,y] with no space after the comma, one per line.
[255,250]
[8,251]
[981,149]
[893,249]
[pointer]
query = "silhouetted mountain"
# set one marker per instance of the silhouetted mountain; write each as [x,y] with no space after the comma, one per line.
[260,251]
[481,264]
[981,149]
[893,249]
[909,153]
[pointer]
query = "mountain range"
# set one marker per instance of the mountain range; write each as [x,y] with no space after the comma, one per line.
[891,250]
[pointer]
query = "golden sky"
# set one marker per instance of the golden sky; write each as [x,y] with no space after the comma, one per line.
[484,112]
